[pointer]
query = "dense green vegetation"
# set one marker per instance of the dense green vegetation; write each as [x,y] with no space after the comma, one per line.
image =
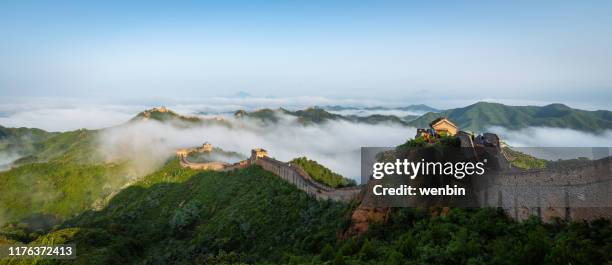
[68,147]
[60,177]
[262,115]
[413,108]
[477,117]
[316,115]
[55,188]
[378,118]
[308,116]
[322,174]
[481,236]
[21,140]
[217,154]
[179,216]
[447,141]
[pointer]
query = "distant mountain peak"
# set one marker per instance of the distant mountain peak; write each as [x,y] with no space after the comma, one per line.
[419,108]
[161,109]
[557,106]
[163,114]
[481,115]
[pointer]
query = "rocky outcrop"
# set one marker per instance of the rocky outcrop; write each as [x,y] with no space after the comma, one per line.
[362,217]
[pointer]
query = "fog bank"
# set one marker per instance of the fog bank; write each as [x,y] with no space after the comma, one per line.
[335,144]
[553,137]
[557,143]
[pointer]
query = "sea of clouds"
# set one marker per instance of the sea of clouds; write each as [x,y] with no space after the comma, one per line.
[335,144]
[367,112]
[557,143]
[65,114]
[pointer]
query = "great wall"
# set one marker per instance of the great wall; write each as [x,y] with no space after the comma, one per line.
[572,194]
[286,171]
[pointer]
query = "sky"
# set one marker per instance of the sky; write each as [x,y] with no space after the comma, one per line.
[442,53]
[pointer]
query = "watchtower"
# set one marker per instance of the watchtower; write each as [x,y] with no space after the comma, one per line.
[207,147]
[258,153]
[443,126]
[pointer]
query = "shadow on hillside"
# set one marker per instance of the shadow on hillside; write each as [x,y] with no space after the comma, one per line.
[29,228]
[206,215]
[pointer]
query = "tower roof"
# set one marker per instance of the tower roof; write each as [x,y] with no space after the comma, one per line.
[440,120]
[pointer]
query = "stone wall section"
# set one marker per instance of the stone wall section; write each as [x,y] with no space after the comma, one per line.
[570,193]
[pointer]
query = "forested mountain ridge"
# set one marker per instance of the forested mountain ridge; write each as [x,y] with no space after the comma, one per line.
[316,115]
[482,115]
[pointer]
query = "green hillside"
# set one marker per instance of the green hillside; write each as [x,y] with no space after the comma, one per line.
[249,216]
[217,154]
[61,176]
[378,118]
[165,115]
[188,215]
[415,108]
[169,117]
[262,115]
[479,116]
[476,117]
[524,161]
[21,140]
[316,115]
[322,174]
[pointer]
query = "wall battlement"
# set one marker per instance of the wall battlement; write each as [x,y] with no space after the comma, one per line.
[286,171]
[298,177]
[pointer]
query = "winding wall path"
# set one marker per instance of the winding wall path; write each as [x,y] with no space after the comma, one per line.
[286,171]
[571,195]
[298,177]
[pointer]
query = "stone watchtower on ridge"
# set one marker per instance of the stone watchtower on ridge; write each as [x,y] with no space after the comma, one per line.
[207,147]
[444,126]
[258,153]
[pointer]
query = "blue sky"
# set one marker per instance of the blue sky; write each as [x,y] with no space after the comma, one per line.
[413,51]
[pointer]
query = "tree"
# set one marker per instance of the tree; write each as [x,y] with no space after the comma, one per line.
[327,253]
[367,251]
[339,260]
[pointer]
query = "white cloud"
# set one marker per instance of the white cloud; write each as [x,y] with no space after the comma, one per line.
[366,112]
[65,119]
[64,114]
[557,143]
[6,158]
[335,144]
[553,137]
